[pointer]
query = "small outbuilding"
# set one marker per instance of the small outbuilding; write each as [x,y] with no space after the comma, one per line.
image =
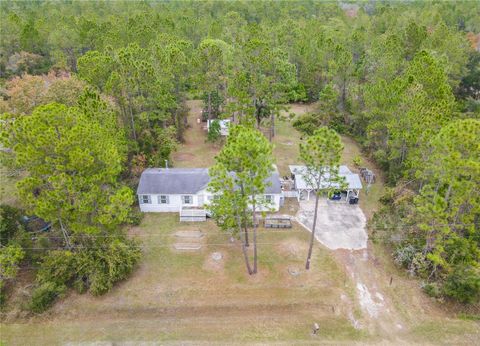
[224,125]
[302,187]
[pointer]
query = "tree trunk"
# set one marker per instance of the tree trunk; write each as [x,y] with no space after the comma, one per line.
[132,120]
[65,234]
[257,114]
[312,237]
[254,238]
[244,219]
[343,98]
[272,126]
[244,248]
[209,105]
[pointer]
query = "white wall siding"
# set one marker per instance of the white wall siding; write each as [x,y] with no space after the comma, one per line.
[175,203]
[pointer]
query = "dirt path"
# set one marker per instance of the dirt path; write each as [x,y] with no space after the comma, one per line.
[195,151]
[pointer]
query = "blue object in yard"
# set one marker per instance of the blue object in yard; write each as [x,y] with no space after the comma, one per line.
[35,224]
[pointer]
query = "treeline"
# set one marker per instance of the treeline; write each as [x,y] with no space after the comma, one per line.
[402,78]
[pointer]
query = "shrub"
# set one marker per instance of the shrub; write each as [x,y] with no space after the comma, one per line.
[58,267]
[381,157]
[135,216]
[44,296]
[80,285]
[404,255]
[96,268]
[388,197]
[463,284]
[214,131]
[357,161]
[108,264]
[9,222]
[3,293]
[10,257]
[307,123]
[432,289]
[297,93]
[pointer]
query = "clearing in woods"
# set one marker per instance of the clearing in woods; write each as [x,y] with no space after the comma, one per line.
[205,296]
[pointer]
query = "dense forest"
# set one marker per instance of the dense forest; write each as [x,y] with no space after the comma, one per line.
[94,92]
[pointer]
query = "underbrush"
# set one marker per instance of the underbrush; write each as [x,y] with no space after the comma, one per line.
[454,275]
[94,267]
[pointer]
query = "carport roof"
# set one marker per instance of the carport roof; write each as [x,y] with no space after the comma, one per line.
[351,179]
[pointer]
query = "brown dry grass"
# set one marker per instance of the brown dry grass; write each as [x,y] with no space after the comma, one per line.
[195,151]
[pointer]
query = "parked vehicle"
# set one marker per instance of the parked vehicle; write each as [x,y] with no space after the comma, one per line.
[336,196]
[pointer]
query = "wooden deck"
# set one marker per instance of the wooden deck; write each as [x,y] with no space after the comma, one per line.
[193,215]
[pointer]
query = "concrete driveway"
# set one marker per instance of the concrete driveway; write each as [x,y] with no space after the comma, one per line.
[339,224]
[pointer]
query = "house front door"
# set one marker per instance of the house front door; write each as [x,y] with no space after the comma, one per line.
[200,200]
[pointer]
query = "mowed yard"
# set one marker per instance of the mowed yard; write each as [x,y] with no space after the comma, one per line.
[187,297]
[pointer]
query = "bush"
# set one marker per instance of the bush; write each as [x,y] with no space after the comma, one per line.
[307,123]
[432,289]
[9,223]
[96,268]
[135,216]
[357,161]
[3,293]
[44,296]
[388,197]
[463,284]
[58,267]
[404,255]
[381,157]
[297,93]
[214,131]
[109,263]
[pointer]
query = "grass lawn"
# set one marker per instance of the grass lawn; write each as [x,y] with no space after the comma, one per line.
[176,295]
[195,151]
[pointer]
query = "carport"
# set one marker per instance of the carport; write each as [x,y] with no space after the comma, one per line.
[352,180]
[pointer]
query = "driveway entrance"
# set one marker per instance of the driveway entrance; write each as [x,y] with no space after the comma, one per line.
[339,225]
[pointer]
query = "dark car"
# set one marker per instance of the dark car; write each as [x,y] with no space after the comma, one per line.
[336,196]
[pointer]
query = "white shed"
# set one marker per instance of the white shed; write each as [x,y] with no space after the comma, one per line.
[224,124]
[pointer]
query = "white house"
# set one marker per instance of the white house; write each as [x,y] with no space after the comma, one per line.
[352,180]
[173,189]
[224,124]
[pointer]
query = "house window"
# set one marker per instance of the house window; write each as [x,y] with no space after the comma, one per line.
[269,199]
[146,199]
[187,199]
[162,199]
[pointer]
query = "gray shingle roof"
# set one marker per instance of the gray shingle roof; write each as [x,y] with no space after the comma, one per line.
[156,181]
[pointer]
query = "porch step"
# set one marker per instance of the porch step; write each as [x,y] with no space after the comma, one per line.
[189,234]
[187,246]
